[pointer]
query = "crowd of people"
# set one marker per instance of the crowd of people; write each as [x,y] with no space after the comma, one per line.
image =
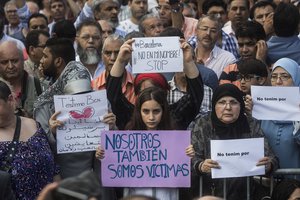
[69,47]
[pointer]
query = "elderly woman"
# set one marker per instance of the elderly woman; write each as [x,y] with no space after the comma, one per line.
[24,150]
[226,121]
[284,136]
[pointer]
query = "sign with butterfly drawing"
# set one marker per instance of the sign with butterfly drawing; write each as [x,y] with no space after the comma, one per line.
[82,115]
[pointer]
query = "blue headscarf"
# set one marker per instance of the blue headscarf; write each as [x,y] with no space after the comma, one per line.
[291,67]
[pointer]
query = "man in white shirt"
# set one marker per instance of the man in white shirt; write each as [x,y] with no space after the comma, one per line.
[207,52]
[138,10]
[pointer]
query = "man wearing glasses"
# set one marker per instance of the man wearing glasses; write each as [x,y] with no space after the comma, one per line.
[89,45]
[207,52]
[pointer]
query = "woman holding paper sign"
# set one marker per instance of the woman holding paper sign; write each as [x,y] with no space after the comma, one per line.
[226,121]
[183,112]
[152,113]
[284,136]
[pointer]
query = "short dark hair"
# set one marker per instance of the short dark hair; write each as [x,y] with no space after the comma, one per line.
[64,29]
[252,66]
[53,1]
[61,47]
[32,38]
[210,3]
[251,29]
[230,1]
[36,15]
[260,4]
[171,31]
[5,90]
[89,22]
[286,20]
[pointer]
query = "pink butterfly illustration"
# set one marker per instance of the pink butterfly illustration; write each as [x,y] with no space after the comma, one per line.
[86,113]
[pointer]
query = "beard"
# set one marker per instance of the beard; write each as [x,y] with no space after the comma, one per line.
[88,56]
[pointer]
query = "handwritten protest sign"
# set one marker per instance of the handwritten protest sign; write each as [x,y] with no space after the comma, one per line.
[82,115]
[157,54]
[237,158]
[276,103]
[145,158]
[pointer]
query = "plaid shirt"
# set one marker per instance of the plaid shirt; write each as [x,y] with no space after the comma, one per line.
[175,94]
[228,44]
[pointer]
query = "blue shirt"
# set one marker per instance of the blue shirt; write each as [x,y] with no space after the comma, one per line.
[283,47]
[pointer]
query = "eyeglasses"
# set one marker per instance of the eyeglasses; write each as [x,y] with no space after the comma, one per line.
[282,77]
[247,77]
[224,103]
[88,37]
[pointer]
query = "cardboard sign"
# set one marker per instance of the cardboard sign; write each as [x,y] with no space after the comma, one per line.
[157,55]
[82,116]
[145,159]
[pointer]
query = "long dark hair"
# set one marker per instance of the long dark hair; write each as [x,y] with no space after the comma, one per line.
[160,96]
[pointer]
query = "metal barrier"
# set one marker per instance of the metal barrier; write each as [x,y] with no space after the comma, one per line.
[288,171]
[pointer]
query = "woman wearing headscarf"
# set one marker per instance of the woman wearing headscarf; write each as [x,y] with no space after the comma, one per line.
[284,136]
[227,120]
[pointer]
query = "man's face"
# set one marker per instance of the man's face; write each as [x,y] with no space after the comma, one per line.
[138,8]
[261,13]
[238,12]
[219,12]
[58,10]
[107,29]
[37,52]
[89,42]
[108,11]
[38,23]
[153,27]
[207,33]
[11,14]
[164,9]
[47,64]
[11,62]
[247,47]
[110,52]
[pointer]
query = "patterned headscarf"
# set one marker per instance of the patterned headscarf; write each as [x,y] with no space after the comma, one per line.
[75,78]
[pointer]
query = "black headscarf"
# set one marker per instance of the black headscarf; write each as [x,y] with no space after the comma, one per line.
[233,130]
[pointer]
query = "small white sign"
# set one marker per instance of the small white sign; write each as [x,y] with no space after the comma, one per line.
[276,103]
[157,55]
[82,116]
[237,158]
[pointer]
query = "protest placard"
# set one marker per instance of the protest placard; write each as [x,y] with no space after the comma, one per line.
[276,103]
[145,159]
[157,55]
[82,116]
[237,158]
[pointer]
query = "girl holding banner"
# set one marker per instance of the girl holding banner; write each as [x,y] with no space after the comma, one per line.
[152,113]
